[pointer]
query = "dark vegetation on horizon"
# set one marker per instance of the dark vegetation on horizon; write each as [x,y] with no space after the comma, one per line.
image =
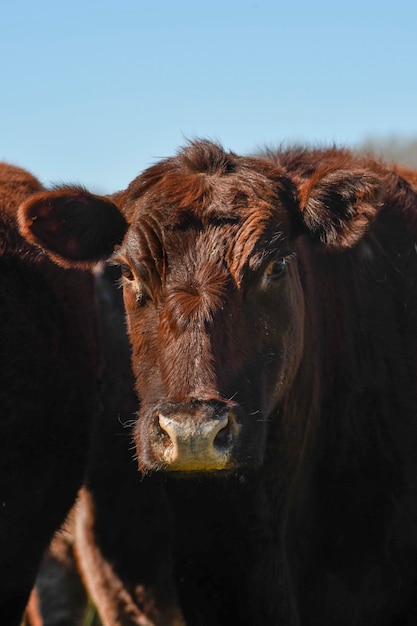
[400,150]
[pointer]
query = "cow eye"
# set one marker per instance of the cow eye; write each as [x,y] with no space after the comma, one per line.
[276,268]
[127,272]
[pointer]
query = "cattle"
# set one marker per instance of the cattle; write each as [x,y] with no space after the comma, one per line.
[48,371]
[271,306]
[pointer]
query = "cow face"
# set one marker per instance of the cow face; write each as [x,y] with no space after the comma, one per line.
[214,301]
[215,316]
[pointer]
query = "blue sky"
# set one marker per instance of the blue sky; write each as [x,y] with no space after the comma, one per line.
[94,91]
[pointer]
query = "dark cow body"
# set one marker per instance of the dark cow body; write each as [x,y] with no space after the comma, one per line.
[272,313]
[48,375]
[117,537]
[48,355]
[123,525]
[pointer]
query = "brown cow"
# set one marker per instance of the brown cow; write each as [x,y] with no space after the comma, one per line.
[48,372]
[272,312]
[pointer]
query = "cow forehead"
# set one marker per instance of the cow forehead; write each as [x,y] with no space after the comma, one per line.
[194,247]
[215,223]
[204,205]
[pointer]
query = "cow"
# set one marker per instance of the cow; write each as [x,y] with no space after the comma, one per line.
[271,306]
[49,363]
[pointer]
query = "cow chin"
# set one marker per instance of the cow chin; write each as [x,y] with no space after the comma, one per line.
[196,438]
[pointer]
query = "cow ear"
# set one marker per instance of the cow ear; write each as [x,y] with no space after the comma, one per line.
[338,205]
[75,227]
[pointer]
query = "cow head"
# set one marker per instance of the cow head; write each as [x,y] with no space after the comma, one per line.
[212,288]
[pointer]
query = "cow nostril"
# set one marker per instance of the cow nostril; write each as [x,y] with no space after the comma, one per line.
[163,436]
[224,437]
[163,430]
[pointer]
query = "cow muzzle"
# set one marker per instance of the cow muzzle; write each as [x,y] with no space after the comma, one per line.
[196,436]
